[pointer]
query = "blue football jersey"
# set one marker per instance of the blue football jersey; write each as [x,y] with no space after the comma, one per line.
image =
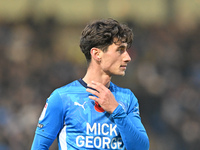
[80,123]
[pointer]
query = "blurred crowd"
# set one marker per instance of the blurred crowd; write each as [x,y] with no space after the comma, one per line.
[164,75]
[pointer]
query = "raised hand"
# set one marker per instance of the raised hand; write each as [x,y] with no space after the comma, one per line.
[103,96]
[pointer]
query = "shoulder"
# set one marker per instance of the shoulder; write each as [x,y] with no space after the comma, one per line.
[124,96]
[121,90]
[60,95]
[123,93]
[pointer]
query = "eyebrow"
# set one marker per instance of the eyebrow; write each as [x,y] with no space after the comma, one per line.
[122,46]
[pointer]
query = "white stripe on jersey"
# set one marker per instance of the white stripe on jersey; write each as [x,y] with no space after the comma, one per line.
[62,139]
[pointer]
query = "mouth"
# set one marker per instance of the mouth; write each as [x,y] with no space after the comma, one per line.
[123,67]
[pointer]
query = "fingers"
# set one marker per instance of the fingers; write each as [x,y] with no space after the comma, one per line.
[94,92]
[103,96]
[97,86]
[93,98]
[96,89]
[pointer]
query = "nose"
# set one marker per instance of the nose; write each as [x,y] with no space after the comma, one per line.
[127,57]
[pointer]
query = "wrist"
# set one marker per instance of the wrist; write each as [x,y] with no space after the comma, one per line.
[114,108]
[118,112]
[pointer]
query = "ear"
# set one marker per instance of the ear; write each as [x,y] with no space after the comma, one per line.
[96,54]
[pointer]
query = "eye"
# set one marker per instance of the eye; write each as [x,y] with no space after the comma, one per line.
[121,50]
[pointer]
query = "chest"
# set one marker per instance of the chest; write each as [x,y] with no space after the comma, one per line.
[89,127]
[82,115]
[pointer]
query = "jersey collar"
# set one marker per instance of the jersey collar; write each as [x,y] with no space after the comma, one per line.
[83,83]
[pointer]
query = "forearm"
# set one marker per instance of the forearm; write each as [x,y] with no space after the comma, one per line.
[41,143]
[132,137]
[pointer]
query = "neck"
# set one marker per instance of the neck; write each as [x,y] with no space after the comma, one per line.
[95,74]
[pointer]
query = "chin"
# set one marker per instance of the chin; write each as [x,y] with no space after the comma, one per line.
[120,74]
[123,74]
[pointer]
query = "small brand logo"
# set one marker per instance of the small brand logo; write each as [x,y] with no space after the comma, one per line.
[78,104]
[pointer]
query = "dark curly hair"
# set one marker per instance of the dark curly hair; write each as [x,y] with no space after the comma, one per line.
[101,33]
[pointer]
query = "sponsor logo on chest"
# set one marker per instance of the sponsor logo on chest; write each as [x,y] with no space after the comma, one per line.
[100,136]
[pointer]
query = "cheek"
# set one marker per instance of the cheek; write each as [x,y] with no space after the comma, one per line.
[110,64]
[110,61]
[106,65]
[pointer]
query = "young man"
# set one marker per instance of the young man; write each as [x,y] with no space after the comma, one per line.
[92,112]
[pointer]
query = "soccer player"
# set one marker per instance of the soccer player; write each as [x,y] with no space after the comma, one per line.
[92,112]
